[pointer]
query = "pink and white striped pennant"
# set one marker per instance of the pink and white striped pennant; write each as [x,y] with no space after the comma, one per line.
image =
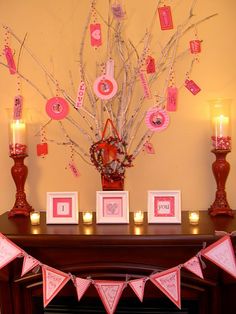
[193,265]
[138,287]
[110,293]
[81,286]
[29,263]
[53,281]
[222,254]
[8,251]
[168,282]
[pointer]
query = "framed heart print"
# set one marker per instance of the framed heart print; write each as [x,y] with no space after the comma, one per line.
[112,207]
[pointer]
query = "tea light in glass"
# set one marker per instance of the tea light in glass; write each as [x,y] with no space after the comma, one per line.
[88,217]
[138,217]
[193,216]
[35,218]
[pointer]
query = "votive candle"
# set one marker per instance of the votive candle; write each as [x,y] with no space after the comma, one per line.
[35,218]
[87,217]
[193,217]
[138,217]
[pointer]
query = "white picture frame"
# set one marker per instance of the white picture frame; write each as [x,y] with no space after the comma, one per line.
[164,206]
[112,207]
[62,208]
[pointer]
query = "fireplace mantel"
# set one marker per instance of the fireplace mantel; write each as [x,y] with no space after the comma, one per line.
[113,252]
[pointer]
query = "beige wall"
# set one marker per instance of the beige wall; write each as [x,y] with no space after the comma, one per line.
[183,158]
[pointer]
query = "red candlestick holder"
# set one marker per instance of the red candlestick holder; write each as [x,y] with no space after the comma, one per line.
[19,173]
[220,168]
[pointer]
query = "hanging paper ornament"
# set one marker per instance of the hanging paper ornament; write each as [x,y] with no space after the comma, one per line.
[105,86]
[144,83]
[194,266]
[168,282]
[150,65]
[74,169]
[110,293]
[192,87]
[10,60]
[117,11]
[80,95]
[149,148]
[81,286]
[57,108]
[42,149]
[172,94]
[157,119]
[95,35]
[138,287]
[18,107]
[165,17]
[195,46]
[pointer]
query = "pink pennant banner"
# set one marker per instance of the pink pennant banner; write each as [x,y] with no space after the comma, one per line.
[169,283]
[53,281]
[222,254]
[138,286]
[29,263]
[8,251]
[172,95]
[95,35]
[10,60]
[110,293]
[194,266]
[80,95]
[81,286]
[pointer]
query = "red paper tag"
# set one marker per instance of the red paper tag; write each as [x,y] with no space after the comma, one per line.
[80,95]
[195,46]
[192,87]
[150,62]
[42,149]
[172,94]
[95,35]
[165,17]
[10,60]
[18,106]
[149,148]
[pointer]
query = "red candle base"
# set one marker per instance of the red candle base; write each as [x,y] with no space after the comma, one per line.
[19,173]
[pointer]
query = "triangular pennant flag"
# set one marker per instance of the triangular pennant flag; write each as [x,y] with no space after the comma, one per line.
[110,293]
[81,286]
[53,281]
[221,253]
[138,287]
[28,263]
[194,266]
[168,282]
[8,251]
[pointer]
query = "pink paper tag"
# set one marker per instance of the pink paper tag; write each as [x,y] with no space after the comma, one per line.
[81,286]
[192,87]
[117,11]
[10,60]
[195,46]
[42,149]
[57,108]
[150,65]
[172,94]
[194,266]
[144,83]
[110,293]
[28,264]
[74,169]
[53,281]
[169,283]
[138,287]
[149,148]
[18,106]
[8,251]
[80,95]
[157,119]
[95,35]
[222,254]
[165,17]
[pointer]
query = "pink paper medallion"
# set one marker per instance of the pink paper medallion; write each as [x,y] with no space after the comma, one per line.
[157,119]
[57,108]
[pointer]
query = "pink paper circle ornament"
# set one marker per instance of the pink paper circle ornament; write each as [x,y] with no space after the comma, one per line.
[57,108]
[105,87]
[157,119]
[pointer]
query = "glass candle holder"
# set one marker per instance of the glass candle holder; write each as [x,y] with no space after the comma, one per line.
[35,218]
[87,217]
[138,217]
[17,138]
[193,217]
[221,124]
